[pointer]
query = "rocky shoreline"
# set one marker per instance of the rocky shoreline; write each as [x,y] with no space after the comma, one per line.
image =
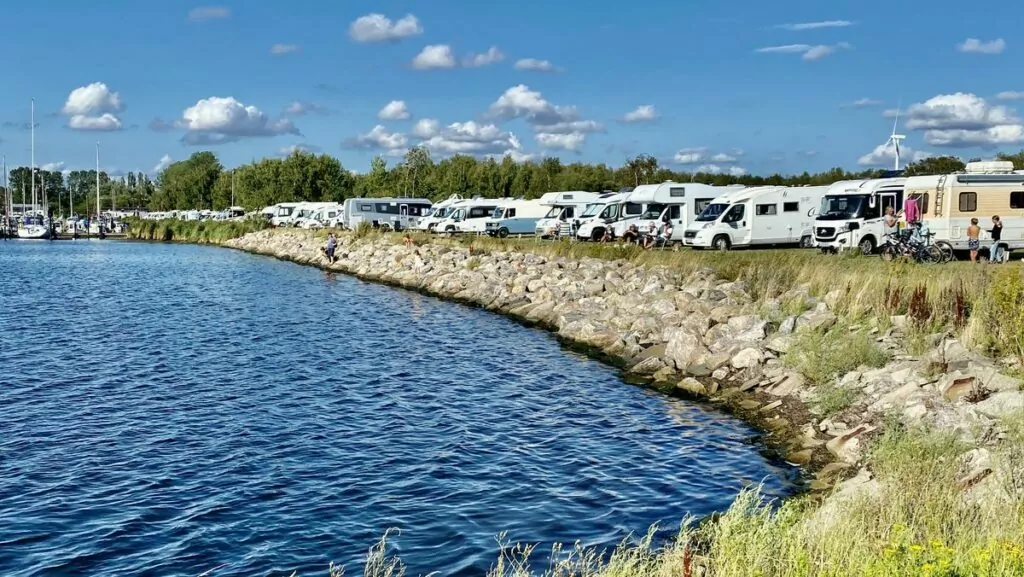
[703,337]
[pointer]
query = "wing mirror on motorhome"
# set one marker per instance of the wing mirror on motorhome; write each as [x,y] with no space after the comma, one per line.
[852,226]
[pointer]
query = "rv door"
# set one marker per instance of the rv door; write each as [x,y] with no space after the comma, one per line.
[888,200]
[736,220]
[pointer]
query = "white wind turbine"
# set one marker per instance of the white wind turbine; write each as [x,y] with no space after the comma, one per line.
[894,140]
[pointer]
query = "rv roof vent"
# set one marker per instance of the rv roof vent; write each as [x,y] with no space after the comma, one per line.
[990,167]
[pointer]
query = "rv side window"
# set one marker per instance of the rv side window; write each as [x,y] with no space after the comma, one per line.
[675,212]
[632,209]
[735,214]
[365,208]
[767,209]
[510,213]
[790,206]
[968,201]
[677,192]
[610,212]
[1017,199]
[480,211]
[700,205]
[570,212]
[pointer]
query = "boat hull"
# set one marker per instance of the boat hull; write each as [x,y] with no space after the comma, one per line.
[33,231]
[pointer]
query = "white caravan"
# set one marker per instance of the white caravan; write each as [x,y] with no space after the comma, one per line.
[948,202]
[469,216]
[438,213]
[680,202]
[384,213]
[563,207]
[763,215]
[852,211]
[516,216]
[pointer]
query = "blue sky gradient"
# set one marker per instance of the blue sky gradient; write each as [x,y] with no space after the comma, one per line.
[699,64]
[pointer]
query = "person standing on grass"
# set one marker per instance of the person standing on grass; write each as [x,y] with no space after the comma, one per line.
[329,249]
[997,233]
[973,232]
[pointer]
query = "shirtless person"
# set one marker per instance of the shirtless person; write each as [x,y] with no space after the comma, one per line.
[973,241]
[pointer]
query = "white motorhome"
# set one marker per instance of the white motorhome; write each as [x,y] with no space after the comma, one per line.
[515,217]
[852,211]
[563,207]
[603,216]
[384,213]
[329,216]
[281,213]
[763,215]
[469,216]
[438,213]
[948,202]
[680,202]
[303,212]
[710,214]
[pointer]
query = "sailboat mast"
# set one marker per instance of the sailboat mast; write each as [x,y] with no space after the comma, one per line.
[97,182]
[32,126]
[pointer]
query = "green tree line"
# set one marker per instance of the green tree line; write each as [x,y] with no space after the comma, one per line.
[202,182]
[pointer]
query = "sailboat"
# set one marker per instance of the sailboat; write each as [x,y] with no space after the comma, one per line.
[33,224]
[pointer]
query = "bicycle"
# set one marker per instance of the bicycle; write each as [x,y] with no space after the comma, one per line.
[902,245]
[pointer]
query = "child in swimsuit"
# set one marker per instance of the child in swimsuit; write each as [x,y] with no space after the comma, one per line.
[973,242]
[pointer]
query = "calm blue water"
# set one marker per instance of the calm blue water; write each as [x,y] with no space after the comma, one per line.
[170,410]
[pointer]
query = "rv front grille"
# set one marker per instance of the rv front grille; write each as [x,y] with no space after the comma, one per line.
[825,232]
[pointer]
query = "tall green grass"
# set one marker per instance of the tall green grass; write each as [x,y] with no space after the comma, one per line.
[200,232]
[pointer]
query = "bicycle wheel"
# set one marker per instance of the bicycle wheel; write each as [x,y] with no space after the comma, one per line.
[947,250]
[931,253]
[889,253]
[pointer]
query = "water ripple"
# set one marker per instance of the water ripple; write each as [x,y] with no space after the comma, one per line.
[172,410]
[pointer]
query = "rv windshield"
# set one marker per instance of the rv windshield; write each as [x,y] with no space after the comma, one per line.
[555,212]
[592,210]
[843,207]
[712,211]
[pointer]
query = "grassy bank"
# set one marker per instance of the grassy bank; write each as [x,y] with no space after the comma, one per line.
[200,232]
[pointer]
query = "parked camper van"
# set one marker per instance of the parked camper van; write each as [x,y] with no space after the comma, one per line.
[948,202]
[616,214]
[385,213]
[710,213]
[438,212]
[515,217]
[680,202]
[852,211]
[328,216]
[469,216]
[563,208]
[280,212]
[763,215]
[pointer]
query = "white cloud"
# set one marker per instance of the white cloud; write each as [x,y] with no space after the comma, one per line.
[809,52]
[218,120]
[434,56]
[426,128]
[975,46]
[817,25]
[298,108]
[1010,95]
[490,57]
[379,28]
[471,138]
[292,149]
[884,155]
[165,161]
[965,120]
[690,155]
[206,13]
[715,169]
[723,158]
[643,113]
[279,49]
[394,110]
[53,166]
[105,122]
[535,65]
[378,138]
[864,103]
[571,141]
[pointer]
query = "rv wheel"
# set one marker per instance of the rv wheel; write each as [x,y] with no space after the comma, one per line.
[502,232]
[385,228]
[449,229]
[721,242]
[597,234]
[806,242]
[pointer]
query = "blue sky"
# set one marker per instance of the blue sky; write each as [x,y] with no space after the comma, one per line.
[738,87]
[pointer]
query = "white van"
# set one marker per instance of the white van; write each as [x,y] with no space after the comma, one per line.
[438,213]
[613,209]
[515,217]
[469,216]
[329,216]
[680,202]
[763,215]
[852,211]
[563,207]
[710,214]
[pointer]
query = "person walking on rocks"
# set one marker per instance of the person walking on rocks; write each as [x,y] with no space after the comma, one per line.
[329,249]
[973,242]
[996,232]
